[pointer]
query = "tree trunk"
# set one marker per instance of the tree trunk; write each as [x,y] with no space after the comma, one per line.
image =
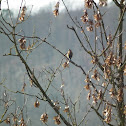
[121,81]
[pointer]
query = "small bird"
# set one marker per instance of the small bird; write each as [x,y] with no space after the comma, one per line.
[69,54]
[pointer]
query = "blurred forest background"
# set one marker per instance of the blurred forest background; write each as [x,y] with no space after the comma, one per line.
[44,56]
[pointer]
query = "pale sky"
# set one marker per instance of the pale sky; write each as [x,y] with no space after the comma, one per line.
[39,4]
[42,4]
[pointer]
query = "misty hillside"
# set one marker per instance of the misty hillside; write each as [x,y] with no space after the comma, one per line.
[46,57]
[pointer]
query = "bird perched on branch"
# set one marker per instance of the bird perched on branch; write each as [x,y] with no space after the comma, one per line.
[69,54]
